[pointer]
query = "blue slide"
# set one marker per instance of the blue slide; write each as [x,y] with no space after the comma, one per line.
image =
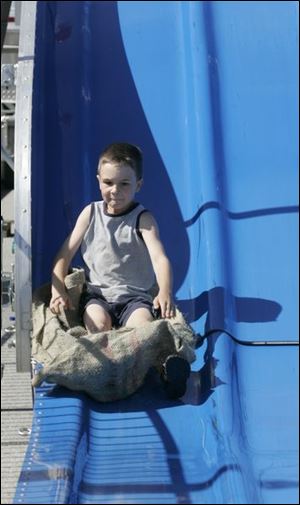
[209,91]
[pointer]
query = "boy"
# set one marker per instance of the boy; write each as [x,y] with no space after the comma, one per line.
[122,252]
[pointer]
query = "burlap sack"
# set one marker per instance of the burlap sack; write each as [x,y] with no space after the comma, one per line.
[109,365]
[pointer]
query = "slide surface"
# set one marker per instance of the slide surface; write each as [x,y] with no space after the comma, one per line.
[209,91]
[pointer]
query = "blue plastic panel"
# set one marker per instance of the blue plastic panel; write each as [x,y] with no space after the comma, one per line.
[209,90]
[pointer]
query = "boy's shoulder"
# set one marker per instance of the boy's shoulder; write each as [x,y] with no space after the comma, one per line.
[147,219]
[90,207]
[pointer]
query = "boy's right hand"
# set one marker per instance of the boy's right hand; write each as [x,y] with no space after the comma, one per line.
[58,301]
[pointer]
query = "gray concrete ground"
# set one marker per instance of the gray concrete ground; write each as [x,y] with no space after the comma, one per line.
[16,391]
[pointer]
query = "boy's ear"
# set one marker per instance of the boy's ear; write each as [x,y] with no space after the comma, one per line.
[139,184]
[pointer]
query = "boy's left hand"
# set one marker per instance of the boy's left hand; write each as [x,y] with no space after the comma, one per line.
[164,302]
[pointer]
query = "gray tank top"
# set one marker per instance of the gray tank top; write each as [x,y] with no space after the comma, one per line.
[118,265]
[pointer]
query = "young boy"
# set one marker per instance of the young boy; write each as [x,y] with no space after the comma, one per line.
[123,255]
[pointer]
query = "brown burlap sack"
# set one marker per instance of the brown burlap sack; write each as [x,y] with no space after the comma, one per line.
[110,365]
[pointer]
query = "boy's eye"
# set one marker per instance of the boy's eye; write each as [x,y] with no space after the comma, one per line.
[110,183]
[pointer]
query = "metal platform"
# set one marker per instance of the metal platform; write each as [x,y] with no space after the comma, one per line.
[16,391]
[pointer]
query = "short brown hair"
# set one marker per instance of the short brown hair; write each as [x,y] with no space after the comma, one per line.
[123,153]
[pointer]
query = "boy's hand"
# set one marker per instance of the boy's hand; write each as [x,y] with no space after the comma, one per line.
[58,301]
[164,302]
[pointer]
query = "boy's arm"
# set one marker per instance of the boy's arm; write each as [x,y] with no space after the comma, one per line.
[161,265]
[63,259]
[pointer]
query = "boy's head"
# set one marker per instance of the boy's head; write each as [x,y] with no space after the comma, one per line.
[122,153]
[120,176]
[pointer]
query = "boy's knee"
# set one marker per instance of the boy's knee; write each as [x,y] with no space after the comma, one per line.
[138,317]
[96,327]
[96,321]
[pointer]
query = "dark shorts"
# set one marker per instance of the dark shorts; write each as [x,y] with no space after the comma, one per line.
[120,311]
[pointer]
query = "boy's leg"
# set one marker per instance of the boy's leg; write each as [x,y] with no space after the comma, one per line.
[175,370]
[139,317]
[96,318]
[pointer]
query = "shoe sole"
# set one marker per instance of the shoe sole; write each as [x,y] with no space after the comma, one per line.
[177,371]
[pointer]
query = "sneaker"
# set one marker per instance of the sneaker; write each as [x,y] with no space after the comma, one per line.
[176,371]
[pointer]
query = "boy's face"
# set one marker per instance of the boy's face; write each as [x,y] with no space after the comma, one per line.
[118,185]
